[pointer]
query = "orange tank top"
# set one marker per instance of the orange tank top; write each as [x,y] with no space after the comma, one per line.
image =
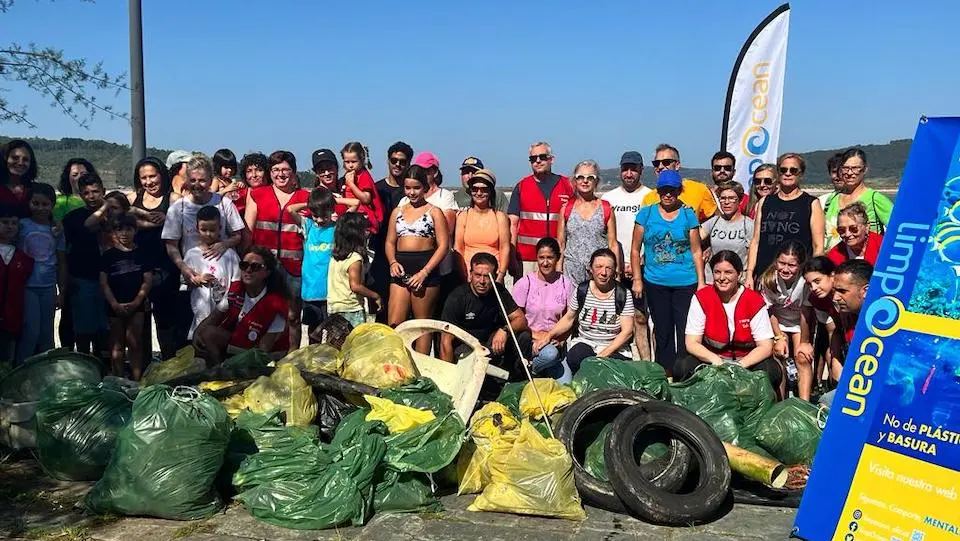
[481,234]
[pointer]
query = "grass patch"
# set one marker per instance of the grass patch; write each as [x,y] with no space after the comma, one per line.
[196,527]
[63,534]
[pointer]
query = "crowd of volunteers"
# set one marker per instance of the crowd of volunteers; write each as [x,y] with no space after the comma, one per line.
[229,254]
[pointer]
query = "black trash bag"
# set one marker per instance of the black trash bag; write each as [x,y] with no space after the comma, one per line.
[332,409]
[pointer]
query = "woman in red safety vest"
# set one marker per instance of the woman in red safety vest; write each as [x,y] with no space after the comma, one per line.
[728,323]
[251,315]
[273,228]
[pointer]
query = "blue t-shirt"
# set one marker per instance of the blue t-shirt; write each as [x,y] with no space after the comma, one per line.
[668,259]
[38,242]
[317,249]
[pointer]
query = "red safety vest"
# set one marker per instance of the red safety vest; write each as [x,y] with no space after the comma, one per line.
[246,332]
[838,254]
[276,230]
[13,282]
[539,216]
[716,334]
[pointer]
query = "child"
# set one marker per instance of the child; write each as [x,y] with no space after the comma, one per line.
[358,184]
[317,231]
[37,240]
[114,204]
[15,268]
[224,167]
[126,274]
[210,278]
[83,267]
[784,290]
[817,322]
[345,289]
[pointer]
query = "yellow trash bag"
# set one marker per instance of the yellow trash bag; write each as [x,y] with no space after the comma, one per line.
[215,385]
[184,362]
[490,423]
[284,390]
[397,417]
[530,476]
[315,358]
[554,395]
[375,355]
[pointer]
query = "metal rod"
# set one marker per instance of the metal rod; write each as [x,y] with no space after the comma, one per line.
[138,125]
[523,361]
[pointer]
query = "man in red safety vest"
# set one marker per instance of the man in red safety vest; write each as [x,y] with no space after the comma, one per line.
[534,207]
[273,228]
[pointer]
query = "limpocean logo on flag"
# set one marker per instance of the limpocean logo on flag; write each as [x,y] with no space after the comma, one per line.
[756,138]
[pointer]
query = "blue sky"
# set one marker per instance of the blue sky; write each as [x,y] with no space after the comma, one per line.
[593,78]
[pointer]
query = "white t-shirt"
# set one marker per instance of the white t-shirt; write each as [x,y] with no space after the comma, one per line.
[181,222]
[760,327]
[598,321]
[277,325]
[203,300]
[786,303]
[443,199]
[6,252]
[625,207]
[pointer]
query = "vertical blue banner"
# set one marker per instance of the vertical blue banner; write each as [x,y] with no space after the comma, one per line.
[887,466]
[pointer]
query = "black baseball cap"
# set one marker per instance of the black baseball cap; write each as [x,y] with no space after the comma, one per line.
[472,162]
[324,155]
[631,157]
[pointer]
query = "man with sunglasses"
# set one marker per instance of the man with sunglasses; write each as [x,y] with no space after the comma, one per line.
[695,194]
[626,200]
[470,165]
[390,190]
[723,166]
[534,207]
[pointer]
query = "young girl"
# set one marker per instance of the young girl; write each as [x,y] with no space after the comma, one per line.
[784,290]
[345,289]
[38,240]
[224,167]
[358,187]
[318,236]
[126,273]
[115,203]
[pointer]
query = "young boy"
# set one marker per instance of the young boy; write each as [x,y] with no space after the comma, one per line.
[210,279]
[317,230]
[83,268]
[15,268]
[126,274]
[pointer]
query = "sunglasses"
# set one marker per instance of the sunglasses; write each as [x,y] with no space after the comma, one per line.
[539,158]
[790,170]
[398,161]
[666,163]
[252,266]
[764,181]
[590,178]
[727,168]
[479,189]
[853,230]
[668,191]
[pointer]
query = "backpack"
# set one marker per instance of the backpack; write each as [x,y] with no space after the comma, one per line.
[619,299]
[607,211]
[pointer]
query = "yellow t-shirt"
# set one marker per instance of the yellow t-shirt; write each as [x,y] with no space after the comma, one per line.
[340,298]
[695,195]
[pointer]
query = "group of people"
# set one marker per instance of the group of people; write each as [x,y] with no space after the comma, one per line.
[229,255]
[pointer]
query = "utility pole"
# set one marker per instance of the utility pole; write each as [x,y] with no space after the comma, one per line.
[137,108]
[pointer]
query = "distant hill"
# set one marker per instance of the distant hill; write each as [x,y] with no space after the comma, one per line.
[886,165]
[113,161]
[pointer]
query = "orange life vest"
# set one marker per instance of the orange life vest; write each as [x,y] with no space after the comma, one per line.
[716,333]
[539,216]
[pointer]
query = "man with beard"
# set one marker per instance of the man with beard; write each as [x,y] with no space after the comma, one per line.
[850,282]
[474,308]
[626,200]
[390,190]
[723,166]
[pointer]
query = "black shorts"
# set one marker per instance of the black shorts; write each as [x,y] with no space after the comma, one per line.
[414,262]
[314,313]
[111,314]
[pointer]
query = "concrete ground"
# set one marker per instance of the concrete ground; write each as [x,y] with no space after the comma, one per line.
[32,506]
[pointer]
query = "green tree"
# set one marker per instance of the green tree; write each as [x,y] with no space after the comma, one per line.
[72,84]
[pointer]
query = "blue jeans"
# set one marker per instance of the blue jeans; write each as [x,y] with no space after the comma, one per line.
[548,363]
[36,336]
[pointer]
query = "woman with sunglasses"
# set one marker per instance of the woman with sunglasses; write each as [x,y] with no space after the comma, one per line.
[253,314]
[481,227]
[669,234]
[851,173]
[764,183]
[790,214]
[729,229]
[858,241]
[586,225]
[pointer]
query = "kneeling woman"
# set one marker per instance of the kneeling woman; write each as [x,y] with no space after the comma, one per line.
[251,315]
[728,323]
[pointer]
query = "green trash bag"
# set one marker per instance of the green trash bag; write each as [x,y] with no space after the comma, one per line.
[593,461]
[791,431]
[754,394]
[421,394]
[300,484]
[597,373]
[77,426]
[27,382]
[166,458]
[403,492]
[427,448]
[510,397]
[709,394]
[243,444]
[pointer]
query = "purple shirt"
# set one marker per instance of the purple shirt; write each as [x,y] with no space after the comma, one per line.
[542,302]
